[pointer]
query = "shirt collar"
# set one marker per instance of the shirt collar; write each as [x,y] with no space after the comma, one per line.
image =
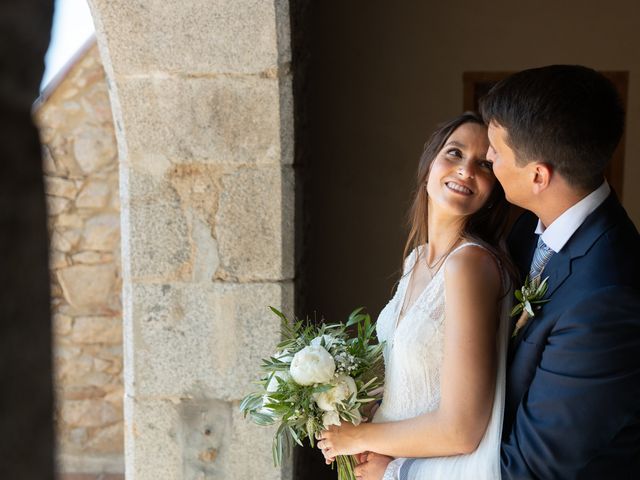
[560,231]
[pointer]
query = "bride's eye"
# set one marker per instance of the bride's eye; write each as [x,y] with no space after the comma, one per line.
[454,152]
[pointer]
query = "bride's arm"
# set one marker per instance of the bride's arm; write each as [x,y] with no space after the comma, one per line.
[472,286]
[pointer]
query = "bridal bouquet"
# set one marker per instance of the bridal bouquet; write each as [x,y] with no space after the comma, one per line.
[317,377]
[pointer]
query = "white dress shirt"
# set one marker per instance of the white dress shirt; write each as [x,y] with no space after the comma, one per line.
[560,231]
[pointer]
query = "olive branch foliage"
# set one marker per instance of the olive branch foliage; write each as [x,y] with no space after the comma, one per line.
[291,406]
[530,296]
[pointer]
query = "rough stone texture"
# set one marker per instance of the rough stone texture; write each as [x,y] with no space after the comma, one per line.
[76,129]
[204,340]
[254,225]
[209,438]
[102,233]
[94,195]
[230,35]
[201,95]
[92,149]
[160,247]
[60,187]
[216,119]
[250,438]
[88,287]
[151,430]
[91,476]
[97,330]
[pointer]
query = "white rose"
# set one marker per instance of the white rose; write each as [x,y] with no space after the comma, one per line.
[330,418]
[344,386]
[311,365]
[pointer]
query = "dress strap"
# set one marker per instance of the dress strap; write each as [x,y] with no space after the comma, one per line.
[503,274]
[460,247]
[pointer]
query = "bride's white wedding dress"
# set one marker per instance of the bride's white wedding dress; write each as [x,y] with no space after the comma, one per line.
[413,362]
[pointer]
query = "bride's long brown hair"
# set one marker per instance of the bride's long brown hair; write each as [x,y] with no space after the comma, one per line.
[487,226]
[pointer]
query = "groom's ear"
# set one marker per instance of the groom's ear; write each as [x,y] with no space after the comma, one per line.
[541,173]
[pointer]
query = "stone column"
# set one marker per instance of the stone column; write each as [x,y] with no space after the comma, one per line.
[202,102]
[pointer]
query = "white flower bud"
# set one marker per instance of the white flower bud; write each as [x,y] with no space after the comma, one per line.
[328,341]
[330,418]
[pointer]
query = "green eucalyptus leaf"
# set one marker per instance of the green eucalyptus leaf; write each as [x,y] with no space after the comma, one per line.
[516,310]
[353,317]
[322,388]
[295,437]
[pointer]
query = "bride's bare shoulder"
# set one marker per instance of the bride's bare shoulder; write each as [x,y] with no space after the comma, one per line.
[474,265]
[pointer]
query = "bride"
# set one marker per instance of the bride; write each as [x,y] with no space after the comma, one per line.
[446,328]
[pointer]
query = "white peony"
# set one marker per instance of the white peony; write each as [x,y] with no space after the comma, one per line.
[311,365]
[330,418]
[344,386]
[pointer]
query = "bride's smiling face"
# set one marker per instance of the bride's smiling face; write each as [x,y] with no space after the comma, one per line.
[460,178]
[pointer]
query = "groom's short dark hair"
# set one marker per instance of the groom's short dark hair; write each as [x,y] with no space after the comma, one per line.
[568,116]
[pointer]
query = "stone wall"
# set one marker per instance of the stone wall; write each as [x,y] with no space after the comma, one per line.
[202,101]
[81,180]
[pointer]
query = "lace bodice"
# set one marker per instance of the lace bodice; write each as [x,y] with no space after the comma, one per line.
[413,350]
[413,359]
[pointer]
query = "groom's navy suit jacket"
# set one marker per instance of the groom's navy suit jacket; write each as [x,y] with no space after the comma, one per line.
[572,407]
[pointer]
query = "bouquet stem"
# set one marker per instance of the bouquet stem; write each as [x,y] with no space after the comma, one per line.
[346,464]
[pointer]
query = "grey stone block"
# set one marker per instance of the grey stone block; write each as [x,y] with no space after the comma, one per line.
[197,37]
[204,434]
[158,246]
[254,225]
[194,439]
[248,437]
[215,120]
[202,340]
[152,446]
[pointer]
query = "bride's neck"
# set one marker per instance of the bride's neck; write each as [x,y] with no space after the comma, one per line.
[444,232]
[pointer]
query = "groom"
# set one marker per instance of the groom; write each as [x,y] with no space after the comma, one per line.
[572,408]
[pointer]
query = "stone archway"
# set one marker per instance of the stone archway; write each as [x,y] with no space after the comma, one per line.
[202,103]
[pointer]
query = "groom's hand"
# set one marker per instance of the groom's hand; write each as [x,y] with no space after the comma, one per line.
[371,466]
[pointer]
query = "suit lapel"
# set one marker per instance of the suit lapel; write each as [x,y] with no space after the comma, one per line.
[559,267]
[557,270]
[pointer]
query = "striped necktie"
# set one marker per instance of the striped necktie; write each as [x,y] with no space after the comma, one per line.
[540,258]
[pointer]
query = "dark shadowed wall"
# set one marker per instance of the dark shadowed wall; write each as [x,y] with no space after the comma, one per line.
[378,78]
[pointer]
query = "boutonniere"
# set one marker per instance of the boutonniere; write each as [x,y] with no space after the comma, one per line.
[530,298]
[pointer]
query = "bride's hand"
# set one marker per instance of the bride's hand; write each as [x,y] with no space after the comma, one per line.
[345,439]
